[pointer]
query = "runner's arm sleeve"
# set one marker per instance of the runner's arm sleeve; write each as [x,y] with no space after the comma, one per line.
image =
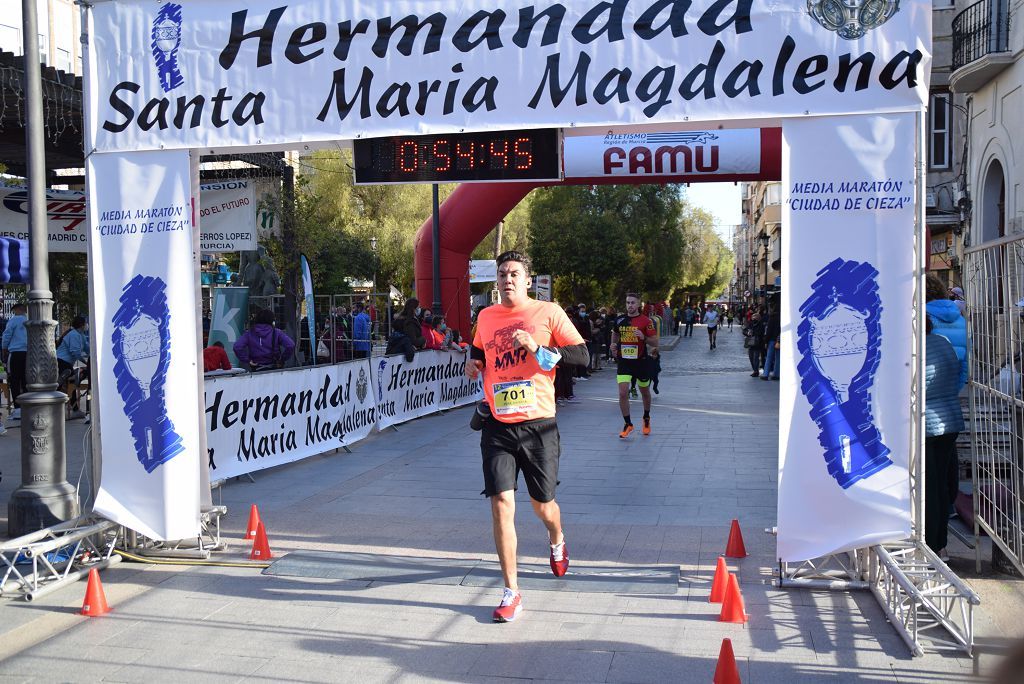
[477,354]
[574,355]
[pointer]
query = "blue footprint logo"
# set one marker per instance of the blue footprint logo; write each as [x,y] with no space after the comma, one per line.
[141,346]
[839,340]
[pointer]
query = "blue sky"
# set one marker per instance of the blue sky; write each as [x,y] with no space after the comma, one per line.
[722,200]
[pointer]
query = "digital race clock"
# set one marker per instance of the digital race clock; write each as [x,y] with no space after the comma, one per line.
[491,156]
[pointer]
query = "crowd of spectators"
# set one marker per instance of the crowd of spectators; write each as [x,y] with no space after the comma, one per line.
[416,328]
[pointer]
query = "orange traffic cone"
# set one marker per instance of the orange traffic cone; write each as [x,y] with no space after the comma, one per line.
[254,522]
[95,603]
[726,671]
[733,609]
[260,545]
[720,583]
[734,548]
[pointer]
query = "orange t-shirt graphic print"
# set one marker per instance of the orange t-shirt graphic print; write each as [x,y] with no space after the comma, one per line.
[514,384]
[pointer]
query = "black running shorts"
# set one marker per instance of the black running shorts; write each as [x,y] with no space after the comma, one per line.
[531,446]
[637,368]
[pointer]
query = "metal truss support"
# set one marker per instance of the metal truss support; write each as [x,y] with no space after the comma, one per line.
[838,572]
[922,597]
[42,562]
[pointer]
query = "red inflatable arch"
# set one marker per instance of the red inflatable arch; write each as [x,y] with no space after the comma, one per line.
[474,209]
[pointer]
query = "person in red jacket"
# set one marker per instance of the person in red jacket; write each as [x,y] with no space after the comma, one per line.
[215,358]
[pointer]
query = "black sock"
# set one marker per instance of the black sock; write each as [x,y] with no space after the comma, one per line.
[647,416]
[627,421]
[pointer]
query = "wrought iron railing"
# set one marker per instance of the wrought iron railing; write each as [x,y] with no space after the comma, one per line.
[981,29]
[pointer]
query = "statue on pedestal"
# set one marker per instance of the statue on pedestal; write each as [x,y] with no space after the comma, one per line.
[258,273]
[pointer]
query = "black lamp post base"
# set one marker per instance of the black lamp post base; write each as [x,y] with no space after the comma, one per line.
[45,497]
[29,511]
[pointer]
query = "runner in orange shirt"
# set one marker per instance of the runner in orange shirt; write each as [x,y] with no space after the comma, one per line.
[518,342]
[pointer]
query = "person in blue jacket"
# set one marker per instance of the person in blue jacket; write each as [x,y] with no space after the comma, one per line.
[15,351]
[943,421]
[360,331]
[947,321]
[73,346]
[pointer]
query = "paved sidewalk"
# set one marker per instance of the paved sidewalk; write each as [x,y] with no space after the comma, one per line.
[664,499]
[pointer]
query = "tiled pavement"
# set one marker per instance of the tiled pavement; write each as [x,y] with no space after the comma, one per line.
[663,499]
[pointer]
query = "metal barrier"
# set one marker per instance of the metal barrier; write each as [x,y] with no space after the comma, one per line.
[334,325]
[994,284]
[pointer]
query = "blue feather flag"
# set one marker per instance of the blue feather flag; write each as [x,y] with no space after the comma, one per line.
[13,260]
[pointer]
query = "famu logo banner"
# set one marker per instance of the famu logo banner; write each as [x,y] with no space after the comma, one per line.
[222,73]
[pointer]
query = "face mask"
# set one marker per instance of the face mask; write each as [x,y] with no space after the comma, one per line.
[418,311]
[442,327]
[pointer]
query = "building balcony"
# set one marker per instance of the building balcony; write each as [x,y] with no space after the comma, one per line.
[981,45]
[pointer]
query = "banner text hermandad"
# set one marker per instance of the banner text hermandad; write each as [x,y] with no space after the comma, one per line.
[232,73]
[260,420]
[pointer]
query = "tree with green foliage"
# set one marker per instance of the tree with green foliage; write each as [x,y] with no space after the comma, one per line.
[603,241]
[707,261]
[336,221]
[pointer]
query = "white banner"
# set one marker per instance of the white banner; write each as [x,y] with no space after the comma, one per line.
[542,286]
[228,217]
[459,390]
[848,265]
[65,218]
[667,153]
[483,271]
[143,289]
[262,420]
[224,73]
[405,390]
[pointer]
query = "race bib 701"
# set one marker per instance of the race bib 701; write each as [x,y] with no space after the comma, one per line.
[516,396]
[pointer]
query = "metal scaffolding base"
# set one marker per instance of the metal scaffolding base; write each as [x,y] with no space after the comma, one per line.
[42,562]
[197,548]
[922,598]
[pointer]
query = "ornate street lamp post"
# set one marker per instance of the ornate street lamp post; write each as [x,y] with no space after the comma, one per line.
[44,497]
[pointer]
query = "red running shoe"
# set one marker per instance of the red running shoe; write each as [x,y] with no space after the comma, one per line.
[510,607]
[559,559]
